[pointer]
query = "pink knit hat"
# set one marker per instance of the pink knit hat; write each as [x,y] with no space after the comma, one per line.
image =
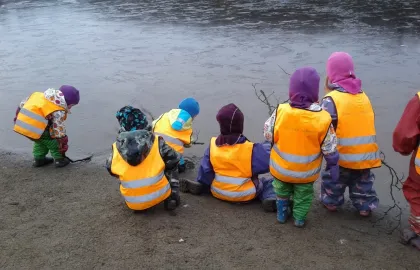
[340,71]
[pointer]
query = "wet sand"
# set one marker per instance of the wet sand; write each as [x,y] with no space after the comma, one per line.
[75,218]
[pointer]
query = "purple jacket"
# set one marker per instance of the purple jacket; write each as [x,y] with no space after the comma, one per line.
[260,162]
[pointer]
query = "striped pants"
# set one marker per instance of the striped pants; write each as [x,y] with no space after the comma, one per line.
[302,196]
[411,191]
[44,145]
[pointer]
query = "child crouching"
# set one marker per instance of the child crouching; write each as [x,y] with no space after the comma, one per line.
[301,133]
[144,163]
[175,127]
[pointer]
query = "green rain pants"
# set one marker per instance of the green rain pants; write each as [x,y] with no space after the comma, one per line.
[302,196]
[44,145]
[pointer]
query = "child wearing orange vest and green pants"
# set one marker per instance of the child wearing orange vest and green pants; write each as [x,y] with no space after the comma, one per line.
[175,127]
[41,117]
[354,121]
[301,134]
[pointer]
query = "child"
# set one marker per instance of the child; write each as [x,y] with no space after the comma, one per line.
[143,162]
[231,165]
[354,122]
[301,133]
[406,141]
[40,117]
[175,127]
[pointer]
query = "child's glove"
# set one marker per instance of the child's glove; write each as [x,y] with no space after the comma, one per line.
[188,145]
[63,144]
[17,112]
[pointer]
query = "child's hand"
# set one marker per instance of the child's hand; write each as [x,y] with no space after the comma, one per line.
[188,145]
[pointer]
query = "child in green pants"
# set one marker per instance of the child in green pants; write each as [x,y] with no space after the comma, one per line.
[40,118]
[301,134]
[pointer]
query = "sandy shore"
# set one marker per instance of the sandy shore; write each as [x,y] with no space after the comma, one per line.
[74,218]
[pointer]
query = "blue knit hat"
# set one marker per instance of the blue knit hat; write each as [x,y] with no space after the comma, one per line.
[191,106]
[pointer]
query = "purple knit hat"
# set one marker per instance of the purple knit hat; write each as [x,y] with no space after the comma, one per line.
[231,122]
[304,87]
[71,94]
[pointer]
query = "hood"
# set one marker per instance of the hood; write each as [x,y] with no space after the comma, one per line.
[340,72]
[134,146]
[231,122]
[304,87]
[56,97]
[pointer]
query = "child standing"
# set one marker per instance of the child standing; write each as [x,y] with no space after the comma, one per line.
[354,121]
[406,141]
[41,117]
[175,127]
[144,163]
[301,134]
[231,164]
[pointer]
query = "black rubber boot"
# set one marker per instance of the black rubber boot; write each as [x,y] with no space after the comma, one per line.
[62,162]
[269,205]
[174,199]
[42,162]
[190,186]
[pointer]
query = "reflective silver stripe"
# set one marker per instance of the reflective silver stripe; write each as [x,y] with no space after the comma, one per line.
[142,182]
[232,194]
[360,157]
[26,126]
[296,158]
[231,180]
[294,174]
[170,139]
[33,116]
[148,197]
[357,140]
[417,161]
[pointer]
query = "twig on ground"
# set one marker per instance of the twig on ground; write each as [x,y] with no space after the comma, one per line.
[396,182]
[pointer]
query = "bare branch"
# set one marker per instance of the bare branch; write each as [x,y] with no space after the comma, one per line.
[287,73]
[195,141]
[396,183]
[147,112]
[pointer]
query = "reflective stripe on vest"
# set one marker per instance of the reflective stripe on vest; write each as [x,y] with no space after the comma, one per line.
[145,185]
[149,197]
[31,120]
[170,139]
[297,138]
[417,159]
[232,167]
[357,144]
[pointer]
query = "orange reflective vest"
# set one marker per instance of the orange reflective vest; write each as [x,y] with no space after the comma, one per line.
[144,185]
[296,156]
[417,160]
[355,130]
[175,139]
[31,120]
[233,172]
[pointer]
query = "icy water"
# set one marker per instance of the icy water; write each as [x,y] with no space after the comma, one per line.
[154,53]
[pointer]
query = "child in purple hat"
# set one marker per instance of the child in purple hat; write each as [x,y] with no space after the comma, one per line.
[41,117]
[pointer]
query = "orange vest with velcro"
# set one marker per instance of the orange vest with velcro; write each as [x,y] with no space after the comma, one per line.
[175,139]
[296,156]
[31,120]
[356,131]
[145,185]
[233,171]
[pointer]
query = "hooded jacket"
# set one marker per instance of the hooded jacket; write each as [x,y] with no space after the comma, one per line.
[134,146]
